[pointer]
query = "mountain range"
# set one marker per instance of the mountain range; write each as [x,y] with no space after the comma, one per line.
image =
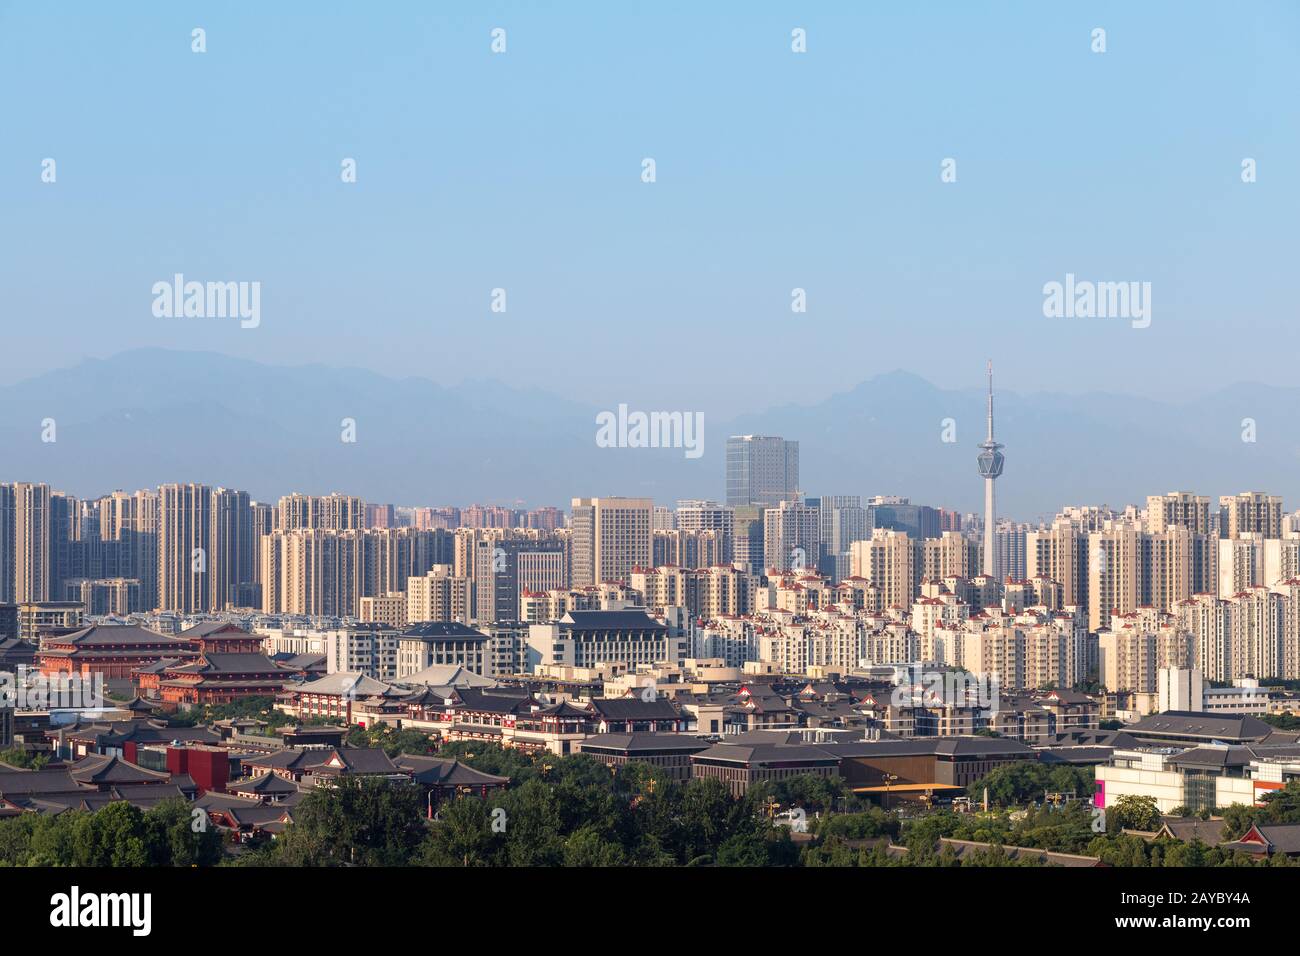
[148,416]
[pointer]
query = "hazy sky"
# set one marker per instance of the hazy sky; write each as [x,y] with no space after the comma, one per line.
[775,170]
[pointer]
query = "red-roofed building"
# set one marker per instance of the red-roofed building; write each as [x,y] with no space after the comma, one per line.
[113,651]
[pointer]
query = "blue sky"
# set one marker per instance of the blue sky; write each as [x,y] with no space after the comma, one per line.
[775,170]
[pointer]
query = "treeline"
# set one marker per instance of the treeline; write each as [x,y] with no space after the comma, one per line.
[564,811]
[23,760]
[256,708]
[1069,829]
[572,811]
[169,834]
[1024,782]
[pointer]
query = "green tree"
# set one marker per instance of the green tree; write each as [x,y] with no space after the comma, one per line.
[363,821]
[173,838]
[743,849]
[1133,812]
[587,847]
[462,836]
[534,832]
[23,760]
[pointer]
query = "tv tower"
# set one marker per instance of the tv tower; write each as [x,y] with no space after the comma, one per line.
[990,462]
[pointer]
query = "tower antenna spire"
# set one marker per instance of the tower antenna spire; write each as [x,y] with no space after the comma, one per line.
[991,461]
[990,399]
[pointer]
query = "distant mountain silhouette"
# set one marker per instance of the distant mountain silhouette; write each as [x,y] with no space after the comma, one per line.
[151,415]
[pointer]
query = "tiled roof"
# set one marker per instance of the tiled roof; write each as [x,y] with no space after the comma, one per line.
[106,634]
[100,769]
[634,708]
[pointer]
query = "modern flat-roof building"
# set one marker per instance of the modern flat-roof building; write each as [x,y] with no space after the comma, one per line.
[671,753]
[741,764]
[1204,777]
[761,470]
[503,567]
[36,618]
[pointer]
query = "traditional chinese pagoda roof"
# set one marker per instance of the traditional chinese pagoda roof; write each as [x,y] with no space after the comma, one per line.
[352,684]
[442,772]
[562,709]
[109,635]
[268,784]
[208,628]
[216,664]
[443,630]
[139,705]
[634,708]
[495,700]
[327,760]
[448,675]
[644,742]
[101,769]
[627,620]
[15,783]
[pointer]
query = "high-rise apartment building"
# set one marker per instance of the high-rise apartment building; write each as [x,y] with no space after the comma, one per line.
[503,566]
[387,609]
[8,555]
[1059,554]
[888,560]
[1114,573]
[1250,559]
[31,537]
[1009,544]
[761,470]
[689,549]
[234,563]
[747,539]
[1251,512]
[316,571]
[899,514]
[705,593]
[1169,566]
[1178,509]
[610,537]
[1136,646]
[841,520]
[184,547]
[791,537]
[65,544]
[333,512]
[438,595]
[128,532]
[698,515]
[951,555]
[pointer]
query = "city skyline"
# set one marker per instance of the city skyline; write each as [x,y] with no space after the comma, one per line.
[475,436]
[516,507]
